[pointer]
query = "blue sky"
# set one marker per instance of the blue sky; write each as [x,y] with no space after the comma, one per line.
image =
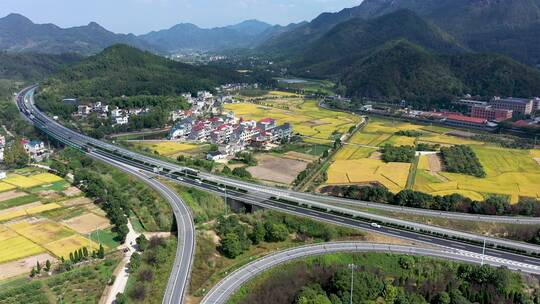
[141,16]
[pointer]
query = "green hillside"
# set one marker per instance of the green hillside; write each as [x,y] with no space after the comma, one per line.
[404,70]
[357,38]
[32,67]
[123,70]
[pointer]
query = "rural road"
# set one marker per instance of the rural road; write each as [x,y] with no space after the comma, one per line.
[222,291]
[120,283]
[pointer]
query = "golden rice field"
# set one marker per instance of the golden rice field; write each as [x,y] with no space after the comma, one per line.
[510,172]
[513,173]
[423,162]
[21,181]
[62,247]
[42,232]
[168,148]
[362,171]
[6,187]
[47,177]
[282,93]
[17,247]
[4,216]
[307,119]
[350,152]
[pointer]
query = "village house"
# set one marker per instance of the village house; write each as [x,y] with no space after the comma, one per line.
[34,148]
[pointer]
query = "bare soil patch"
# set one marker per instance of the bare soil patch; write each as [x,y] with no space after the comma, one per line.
[537,160]
[87,223]
[277,169]
[23,266]
[21,207]
[4,196]
[435,163]
[436,166]
[376,155]
[77,201]
[300,156]
[72,191]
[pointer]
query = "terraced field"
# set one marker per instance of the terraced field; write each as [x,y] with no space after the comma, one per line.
[30,228]
[513,173]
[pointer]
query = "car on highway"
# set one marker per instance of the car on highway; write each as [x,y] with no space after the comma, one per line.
[375,225]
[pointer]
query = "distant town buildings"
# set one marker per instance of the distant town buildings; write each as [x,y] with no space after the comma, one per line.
[517,105]
[230,134]
[490,113]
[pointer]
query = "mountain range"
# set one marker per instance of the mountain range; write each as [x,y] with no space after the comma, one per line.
[509,27]
[20,34]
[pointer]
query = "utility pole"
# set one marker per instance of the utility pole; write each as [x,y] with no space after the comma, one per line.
[483,252]
[353,267]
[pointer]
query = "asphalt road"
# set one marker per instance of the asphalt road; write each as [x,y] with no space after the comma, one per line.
[263,196]
[222,291]
[178,282]
[301,197]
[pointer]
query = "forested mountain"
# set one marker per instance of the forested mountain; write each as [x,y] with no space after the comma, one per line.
[187,36]
[18,33]
[402,70]
[33,67]
[509,27]
[357,38]
[124,70]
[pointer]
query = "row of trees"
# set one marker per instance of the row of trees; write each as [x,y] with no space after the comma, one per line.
[462,159]
[493,205]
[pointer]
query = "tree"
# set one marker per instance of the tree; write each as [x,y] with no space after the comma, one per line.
[443,298]
[241,172]
[231,245]
[134,262]
[47,266]
[226,170]
[276,232]
[121,298]
[258,233]
[33,272]
[142,242]
[38,267]
[60,168]
[85,252]
[101,252]
[15,155]
[406,262]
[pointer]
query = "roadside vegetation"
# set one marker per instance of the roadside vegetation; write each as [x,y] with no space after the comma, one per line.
[150,269]
[386,278]
[82,284]
[117,193]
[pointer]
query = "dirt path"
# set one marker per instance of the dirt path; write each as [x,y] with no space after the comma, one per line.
[121,271]
[436,166]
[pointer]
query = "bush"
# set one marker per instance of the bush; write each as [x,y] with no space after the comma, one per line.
[462,159]
[402,154]
[242,173]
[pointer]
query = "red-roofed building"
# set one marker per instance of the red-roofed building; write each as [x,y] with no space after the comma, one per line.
[266,124]
[465,121]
